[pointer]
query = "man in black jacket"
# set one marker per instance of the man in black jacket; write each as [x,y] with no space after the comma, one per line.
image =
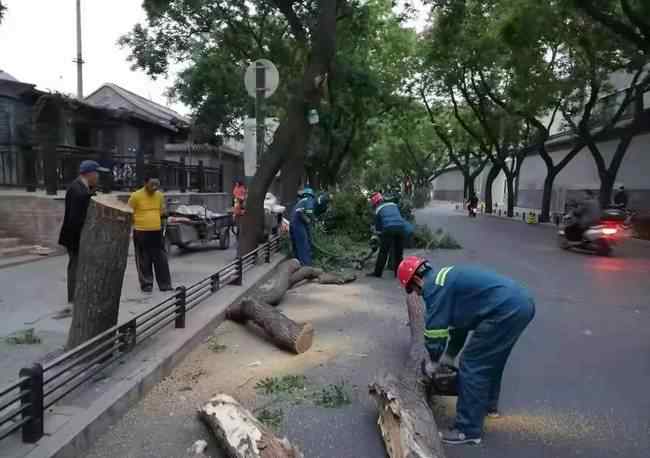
[77,198]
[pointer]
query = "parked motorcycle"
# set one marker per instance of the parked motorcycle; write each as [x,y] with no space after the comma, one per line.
[192,226]
[599,239]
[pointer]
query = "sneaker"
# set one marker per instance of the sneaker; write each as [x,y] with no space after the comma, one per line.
[456,437]
[493,414]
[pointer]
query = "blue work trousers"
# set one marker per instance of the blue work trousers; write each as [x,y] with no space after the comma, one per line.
[301,243]
[484,359]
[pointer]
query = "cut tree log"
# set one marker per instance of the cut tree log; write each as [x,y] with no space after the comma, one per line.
[103,253]
[406,420]
[273,291]
[284,332]
[324,278]
[240,434]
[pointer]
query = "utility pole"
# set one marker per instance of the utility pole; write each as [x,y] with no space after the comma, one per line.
[79,60]
[260,115]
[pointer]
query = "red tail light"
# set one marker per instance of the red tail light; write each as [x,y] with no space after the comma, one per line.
[610,230]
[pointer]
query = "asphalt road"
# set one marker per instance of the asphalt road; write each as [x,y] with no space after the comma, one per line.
[576,384]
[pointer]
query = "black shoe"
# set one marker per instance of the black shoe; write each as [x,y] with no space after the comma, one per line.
[493,414]
[456,437]
[166,288]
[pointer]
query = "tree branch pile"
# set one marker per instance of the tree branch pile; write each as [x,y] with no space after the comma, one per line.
[259,308]
[406,420]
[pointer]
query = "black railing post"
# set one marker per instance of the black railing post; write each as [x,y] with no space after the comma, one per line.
[267,252]
[215,283]
[127,336]
[201,176]
[240,271]
[181,303]
[32,402]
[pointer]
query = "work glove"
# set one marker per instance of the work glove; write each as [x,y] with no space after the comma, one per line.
[429,368]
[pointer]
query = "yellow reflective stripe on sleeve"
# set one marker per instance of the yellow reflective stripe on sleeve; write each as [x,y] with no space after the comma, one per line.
[436,333]
[442,275]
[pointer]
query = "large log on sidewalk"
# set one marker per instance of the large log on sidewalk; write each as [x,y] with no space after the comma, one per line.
[406,420]
[273,292]
[284,332]
[103,253]
[240,434]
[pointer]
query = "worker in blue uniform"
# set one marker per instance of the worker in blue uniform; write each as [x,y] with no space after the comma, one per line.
[393,231]
[300,233]
[462,299]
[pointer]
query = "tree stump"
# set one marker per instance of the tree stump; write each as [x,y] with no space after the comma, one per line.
[240,434]
[284,332]
[406,420]
[103,253]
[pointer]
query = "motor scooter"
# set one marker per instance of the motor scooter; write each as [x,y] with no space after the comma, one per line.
[599,239]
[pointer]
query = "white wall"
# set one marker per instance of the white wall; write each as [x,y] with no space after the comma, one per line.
[581,173]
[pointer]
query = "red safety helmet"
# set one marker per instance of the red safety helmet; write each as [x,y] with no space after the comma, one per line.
[376,198]
[408,267]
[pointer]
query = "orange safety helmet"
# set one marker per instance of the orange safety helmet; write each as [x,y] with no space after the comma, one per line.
[407,269]
[376,198]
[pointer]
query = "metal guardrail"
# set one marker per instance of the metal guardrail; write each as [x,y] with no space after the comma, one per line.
[40,386]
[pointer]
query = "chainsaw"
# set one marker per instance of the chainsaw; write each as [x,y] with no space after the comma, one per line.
[444,381]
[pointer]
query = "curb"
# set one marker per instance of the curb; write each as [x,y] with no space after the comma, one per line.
[86,425]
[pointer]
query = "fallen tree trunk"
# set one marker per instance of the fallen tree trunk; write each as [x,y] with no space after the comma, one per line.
[103,252]
[284,332]
[240,434]
[273,291]
[324,278]
[406,420]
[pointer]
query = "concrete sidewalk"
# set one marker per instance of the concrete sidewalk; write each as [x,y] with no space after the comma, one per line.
[73,424]
[32,294]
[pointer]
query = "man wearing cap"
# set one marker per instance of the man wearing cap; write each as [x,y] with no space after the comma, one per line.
[460,299]
[77,199]
[148,206]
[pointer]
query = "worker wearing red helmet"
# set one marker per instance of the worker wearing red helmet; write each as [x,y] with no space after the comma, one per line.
[462,299]
[393,231]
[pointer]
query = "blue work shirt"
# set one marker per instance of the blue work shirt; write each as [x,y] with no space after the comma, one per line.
[460,297]
[306,206]
[387,216]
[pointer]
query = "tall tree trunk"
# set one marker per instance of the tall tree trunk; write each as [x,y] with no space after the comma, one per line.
[492,175]
[510,190]
[608,174]
[293,170]
[293,132]
[547,195]
[103,253]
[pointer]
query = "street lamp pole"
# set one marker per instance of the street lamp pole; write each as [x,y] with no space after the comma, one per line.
[79,60]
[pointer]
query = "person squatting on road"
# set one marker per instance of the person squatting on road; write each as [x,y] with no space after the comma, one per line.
[77,199]
[299,230]
[462,299]
[393,230]
[148,206]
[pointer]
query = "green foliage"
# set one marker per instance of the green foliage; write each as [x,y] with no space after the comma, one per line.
[271,418]
[425,238]
[349,214]
[284,384]
[333,396]
[335,251]
[24,337]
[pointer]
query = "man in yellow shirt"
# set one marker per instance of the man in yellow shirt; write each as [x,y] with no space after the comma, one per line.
[148,206]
